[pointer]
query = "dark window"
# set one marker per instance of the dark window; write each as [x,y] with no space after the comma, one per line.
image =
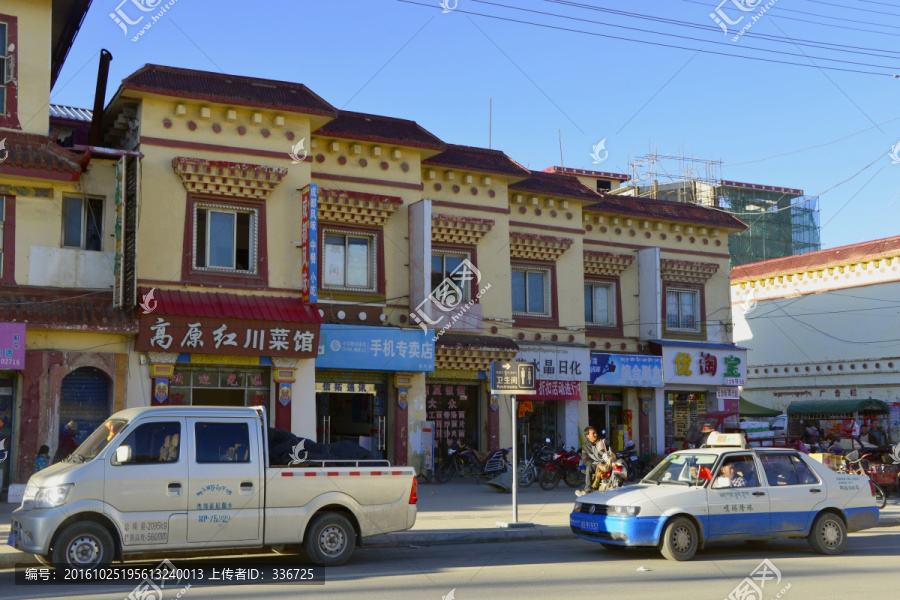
[744,471]
[4,36]
[787,469]
[222,442]
[603,185]
[154,443]
[443,266]
[83,223]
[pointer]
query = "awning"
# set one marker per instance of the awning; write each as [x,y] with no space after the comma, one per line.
[225,305]
[837,407]
[748,409]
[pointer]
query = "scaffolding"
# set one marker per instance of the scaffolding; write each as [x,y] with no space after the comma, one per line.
[781,221]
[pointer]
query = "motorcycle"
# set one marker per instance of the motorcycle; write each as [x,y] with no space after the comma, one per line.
[564,466]
[611,472]
[530,469]
[633,463]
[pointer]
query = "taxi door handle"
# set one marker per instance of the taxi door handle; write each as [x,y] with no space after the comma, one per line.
[815,491]
[759,493]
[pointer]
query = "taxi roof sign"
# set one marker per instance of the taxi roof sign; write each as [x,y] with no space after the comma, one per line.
[719,440]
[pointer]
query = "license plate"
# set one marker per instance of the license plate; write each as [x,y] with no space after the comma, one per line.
[11,540]
[590,526]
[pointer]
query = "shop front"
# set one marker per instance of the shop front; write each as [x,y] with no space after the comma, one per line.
[552,412]
[620,393]
[365,380]
[698,378]
[212,349]
[12,361]
[458,403]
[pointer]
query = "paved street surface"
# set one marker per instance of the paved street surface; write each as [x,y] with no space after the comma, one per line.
[556,569]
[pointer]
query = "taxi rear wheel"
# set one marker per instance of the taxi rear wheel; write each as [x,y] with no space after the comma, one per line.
[828,534]
[680,540]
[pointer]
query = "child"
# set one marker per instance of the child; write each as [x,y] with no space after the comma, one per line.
[42,460]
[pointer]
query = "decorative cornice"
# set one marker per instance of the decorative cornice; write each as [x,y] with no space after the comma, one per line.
[162,358]
[451,229]
[530,246]
[606,264]
[467,359]
[356,208]
[230,179]
[686,271]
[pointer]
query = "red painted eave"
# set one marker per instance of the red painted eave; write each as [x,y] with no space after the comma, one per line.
[235,306]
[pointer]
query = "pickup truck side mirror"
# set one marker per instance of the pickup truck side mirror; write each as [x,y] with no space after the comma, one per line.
[123,454]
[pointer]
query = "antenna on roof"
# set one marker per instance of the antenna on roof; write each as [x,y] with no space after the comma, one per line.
[490,117]
[561,163]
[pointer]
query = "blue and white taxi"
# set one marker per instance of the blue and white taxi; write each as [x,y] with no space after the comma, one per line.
[728,491]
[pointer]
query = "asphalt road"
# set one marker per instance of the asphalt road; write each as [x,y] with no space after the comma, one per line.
[554,569]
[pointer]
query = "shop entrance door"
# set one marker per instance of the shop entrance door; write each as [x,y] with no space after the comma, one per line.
[7,396]
[605,416]
[356,416]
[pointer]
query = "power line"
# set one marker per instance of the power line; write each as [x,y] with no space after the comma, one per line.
[712,28]
[781,9]
[866,10]
[647,42]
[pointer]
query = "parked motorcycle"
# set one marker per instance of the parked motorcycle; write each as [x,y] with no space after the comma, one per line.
[564,466]
[464,461]
[633,463]
[530,469]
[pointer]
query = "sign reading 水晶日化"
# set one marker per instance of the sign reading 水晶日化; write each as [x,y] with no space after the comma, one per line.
[12,346]
[242,337]
[557,362]
[513,378]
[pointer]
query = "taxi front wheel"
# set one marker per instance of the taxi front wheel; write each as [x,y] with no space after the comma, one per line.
[680,539]
[828,534]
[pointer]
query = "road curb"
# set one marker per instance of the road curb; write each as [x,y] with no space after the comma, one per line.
[467,536]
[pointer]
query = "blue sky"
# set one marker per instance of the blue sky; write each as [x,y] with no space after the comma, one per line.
[769,123]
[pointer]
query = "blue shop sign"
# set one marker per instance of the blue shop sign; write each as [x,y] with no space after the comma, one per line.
[629,370]
[375,348]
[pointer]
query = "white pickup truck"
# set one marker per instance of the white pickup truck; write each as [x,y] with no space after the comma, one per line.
[196,479]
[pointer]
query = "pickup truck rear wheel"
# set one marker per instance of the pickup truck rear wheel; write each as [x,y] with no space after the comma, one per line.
[84,545]
[330,539]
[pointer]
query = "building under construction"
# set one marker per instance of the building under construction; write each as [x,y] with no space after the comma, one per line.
[782,221]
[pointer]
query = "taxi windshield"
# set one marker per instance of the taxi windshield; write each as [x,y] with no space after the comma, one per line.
[681,468]
[97,441]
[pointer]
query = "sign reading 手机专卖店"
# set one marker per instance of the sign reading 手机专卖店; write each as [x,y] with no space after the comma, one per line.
[208,335]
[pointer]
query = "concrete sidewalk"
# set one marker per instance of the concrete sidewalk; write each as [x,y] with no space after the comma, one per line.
[460,512]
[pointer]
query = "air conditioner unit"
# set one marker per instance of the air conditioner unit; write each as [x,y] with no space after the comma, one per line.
[6,69]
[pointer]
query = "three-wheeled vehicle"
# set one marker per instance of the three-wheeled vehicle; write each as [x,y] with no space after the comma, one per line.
[837,417]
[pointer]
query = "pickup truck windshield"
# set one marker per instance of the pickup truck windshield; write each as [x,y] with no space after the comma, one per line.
[681,468]
[97,441]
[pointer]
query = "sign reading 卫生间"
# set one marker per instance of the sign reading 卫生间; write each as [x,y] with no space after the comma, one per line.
[629,370]
[705,366]
[241,337]
[556,362]
[375,348]
[12,346]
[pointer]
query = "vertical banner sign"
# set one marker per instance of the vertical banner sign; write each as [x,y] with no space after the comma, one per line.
[313,244]
[304,244]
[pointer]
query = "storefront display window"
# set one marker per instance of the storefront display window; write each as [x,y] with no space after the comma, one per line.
[682,409]
[454,410]
[538,422]
[216,385]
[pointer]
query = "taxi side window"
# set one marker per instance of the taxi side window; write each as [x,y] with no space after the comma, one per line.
[154,443]
[222,442]
[745,474]
[786,469]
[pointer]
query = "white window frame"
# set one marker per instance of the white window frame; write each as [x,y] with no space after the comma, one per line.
[467,291]
[548,298]
[253,259]
[612,308]
[84,221]
[373,260]
[697,316]
[7,69]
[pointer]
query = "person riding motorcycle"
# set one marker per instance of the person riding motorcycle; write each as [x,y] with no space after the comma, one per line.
[591,454]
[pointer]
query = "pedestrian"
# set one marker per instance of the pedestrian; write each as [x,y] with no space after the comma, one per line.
[67,442]
[591,452]
[42,460]
[877,433]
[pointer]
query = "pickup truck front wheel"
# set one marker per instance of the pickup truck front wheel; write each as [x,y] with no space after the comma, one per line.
[330,539]
[84,545]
